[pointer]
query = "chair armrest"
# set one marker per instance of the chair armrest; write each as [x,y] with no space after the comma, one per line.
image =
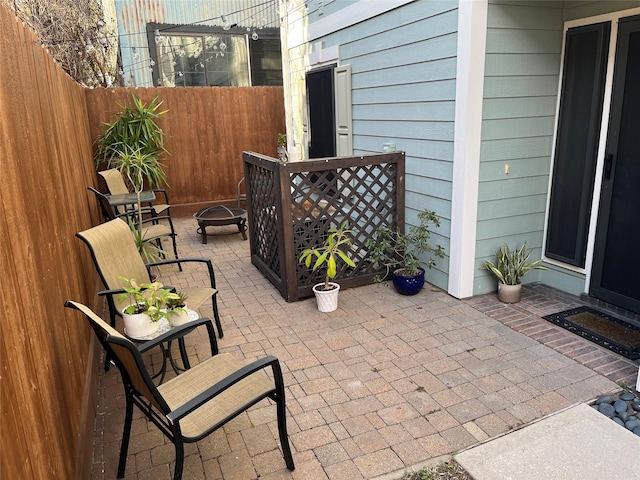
[114,291]
[222,385]
[181,331]
[163,192]
[171,261]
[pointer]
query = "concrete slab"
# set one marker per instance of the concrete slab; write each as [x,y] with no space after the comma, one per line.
[575,444]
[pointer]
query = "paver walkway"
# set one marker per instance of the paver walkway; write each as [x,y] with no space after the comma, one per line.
[383,383]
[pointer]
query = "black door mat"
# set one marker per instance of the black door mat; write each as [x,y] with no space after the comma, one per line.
[598,327]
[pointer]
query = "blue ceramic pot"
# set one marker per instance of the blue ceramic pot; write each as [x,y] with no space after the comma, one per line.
[408,284]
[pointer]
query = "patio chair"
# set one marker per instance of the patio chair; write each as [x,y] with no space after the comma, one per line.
[115,255]
[152,228]
[191,406]
[242,195]
[115,183]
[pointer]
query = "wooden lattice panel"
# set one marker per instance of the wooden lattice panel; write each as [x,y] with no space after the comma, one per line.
[292,207]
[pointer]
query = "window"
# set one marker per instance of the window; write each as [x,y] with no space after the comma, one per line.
[196,56]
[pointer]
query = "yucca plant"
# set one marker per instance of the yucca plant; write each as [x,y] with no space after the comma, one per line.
[135,129]
[512,265]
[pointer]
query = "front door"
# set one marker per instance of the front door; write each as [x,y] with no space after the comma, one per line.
[616,265]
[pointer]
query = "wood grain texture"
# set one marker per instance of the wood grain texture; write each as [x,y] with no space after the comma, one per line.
[207,129]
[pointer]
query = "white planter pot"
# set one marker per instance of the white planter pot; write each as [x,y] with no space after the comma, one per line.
[179,317]
[509,293]
[138,325]
[327,300]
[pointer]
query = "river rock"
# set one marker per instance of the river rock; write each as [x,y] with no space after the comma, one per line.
[631,424]
[620,406]
[607,409]
[626,396]
[604,399]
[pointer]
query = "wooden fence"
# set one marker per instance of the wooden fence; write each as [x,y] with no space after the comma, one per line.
[206,129]
[45,351]
[47,127]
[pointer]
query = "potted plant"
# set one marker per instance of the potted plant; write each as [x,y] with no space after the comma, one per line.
[177,312]
[281,148]
[327,257]
[133,144]
[511,266]
[147,305]
[401,254]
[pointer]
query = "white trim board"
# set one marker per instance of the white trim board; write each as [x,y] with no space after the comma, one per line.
[472,34]
[355,13]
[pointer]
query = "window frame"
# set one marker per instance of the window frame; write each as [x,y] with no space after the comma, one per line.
[202,31]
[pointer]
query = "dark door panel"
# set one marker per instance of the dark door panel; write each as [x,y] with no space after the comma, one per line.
[617,249]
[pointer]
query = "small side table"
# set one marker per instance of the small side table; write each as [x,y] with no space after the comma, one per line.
[219,215]
[168,334]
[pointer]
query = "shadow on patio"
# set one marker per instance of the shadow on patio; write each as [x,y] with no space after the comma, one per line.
[382,384]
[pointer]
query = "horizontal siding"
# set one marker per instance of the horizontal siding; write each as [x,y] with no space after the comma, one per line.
[518,107]
[419,148]
[510,128]
[526,205]
[416,130]
[409,111]
[510,148]
[433,91]
[518,168]
[436,69]
[516,86]
[500,64]
[524,45]
[403,65]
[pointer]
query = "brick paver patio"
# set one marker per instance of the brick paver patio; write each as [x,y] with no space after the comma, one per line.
[383,383]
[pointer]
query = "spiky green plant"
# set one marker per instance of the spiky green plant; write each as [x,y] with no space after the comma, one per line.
[135,129]
[512,265]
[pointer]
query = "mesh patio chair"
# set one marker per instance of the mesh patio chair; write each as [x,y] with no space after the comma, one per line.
[115,183]
[242,193]
[115,255]
[191,406]
[153,230]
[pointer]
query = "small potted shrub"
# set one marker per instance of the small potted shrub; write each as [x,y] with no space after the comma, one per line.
[281,148]
[327,257]
[147,305]
[511,266]
[177,309]
[401,254]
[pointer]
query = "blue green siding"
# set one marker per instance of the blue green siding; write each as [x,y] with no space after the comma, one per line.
[523,55]
[403,91]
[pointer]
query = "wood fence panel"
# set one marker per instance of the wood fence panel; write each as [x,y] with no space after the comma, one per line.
[47,127]
[45,149]
[207,129]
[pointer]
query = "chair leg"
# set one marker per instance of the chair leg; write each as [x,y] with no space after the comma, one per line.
[177,473]
[175,250]
[216,315]
[281,411]
[126,434]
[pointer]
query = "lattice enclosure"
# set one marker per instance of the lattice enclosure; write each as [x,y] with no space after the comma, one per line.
[292,206]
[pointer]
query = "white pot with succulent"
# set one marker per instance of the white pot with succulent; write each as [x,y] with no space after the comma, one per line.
[177,311]
[326,256]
